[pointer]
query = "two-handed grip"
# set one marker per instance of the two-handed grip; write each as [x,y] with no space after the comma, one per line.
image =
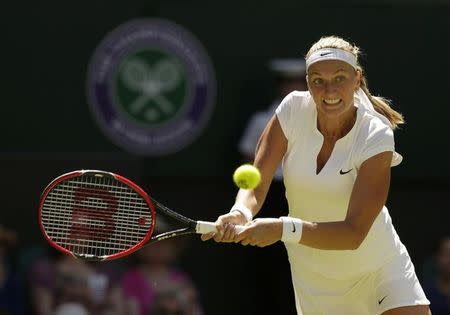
[204,227]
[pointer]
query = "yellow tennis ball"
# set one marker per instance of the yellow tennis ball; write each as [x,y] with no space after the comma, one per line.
[247,176]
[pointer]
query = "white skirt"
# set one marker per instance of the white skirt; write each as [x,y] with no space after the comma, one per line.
[393,285]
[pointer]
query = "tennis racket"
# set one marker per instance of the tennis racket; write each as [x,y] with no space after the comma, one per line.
[98,215]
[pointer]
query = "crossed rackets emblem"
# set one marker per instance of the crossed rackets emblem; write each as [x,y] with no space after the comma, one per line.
[151,83]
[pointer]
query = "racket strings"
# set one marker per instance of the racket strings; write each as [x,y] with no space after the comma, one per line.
[95,216]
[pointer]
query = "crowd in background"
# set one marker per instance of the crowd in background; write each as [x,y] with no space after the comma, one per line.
[39,280]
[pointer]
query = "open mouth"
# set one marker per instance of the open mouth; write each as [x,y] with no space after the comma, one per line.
[332,102]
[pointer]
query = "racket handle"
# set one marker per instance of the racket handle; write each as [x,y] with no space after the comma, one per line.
[204,227]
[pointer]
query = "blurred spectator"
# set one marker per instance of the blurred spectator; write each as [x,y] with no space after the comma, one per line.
[289,75]
[175,299]
[12,299]
[437,288]
[63,284]
[71,309]
[156,286]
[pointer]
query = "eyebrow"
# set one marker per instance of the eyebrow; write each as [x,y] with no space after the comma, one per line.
[339,70]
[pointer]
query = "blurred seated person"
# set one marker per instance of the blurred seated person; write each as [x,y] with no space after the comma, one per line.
[155,285]
[61,281]
[12,293]
[289,75]
[175,299]
[437,288]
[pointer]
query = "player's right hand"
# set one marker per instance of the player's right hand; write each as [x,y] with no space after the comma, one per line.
[226,231]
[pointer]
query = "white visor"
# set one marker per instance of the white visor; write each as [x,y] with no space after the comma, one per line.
[332,54]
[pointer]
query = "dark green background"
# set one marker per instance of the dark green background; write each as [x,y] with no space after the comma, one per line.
[47,48]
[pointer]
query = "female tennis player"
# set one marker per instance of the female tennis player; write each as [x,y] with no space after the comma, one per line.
[336,143]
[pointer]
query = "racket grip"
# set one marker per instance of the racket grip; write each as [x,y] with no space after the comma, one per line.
[204,227]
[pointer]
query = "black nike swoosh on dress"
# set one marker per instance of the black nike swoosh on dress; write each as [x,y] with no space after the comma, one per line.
[381,301]
[345,172]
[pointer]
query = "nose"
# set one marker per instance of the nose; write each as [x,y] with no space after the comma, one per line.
[329,88]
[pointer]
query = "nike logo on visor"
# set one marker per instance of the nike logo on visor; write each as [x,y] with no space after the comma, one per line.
[325,53]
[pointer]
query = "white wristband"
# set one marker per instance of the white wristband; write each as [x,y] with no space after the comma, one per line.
[246,212]
[292,230]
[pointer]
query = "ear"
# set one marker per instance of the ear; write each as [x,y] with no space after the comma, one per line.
[357,79]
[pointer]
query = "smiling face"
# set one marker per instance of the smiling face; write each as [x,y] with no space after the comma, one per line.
[332,84]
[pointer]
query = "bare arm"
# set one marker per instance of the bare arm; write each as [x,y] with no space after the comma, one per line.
[270,150]
[368,197]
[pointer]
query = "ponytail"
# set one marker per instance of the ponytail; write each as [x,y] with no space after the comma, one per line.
[382,105]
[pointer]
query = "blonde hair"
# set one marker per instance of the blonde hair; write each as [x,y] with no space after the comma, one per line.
[380,104]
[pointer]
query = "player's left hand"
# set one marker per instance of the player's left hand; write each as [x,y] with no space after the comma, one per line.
[261,232]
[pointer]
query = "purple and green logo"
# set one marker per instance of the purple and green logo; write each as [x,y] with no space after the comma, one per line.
[151,87]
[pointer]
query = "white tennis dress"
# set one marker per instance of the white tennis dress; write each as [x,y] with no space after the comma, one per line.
[379,274]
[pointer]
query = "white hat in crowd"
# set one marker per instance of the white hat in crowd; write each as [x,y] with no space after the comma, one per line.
[288,67]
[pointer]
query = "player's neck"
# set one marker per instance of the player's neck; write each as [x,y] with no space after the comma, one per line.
[333,129]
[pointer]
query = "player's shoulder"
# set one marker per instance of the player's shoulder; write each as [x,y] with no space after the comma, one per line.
[293,111]
[300,97]
[297,100]
[375,135]
[373,125]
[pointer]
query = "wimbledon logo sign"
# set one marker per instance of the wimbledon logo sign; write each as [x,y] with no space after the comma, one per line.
[151,87]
